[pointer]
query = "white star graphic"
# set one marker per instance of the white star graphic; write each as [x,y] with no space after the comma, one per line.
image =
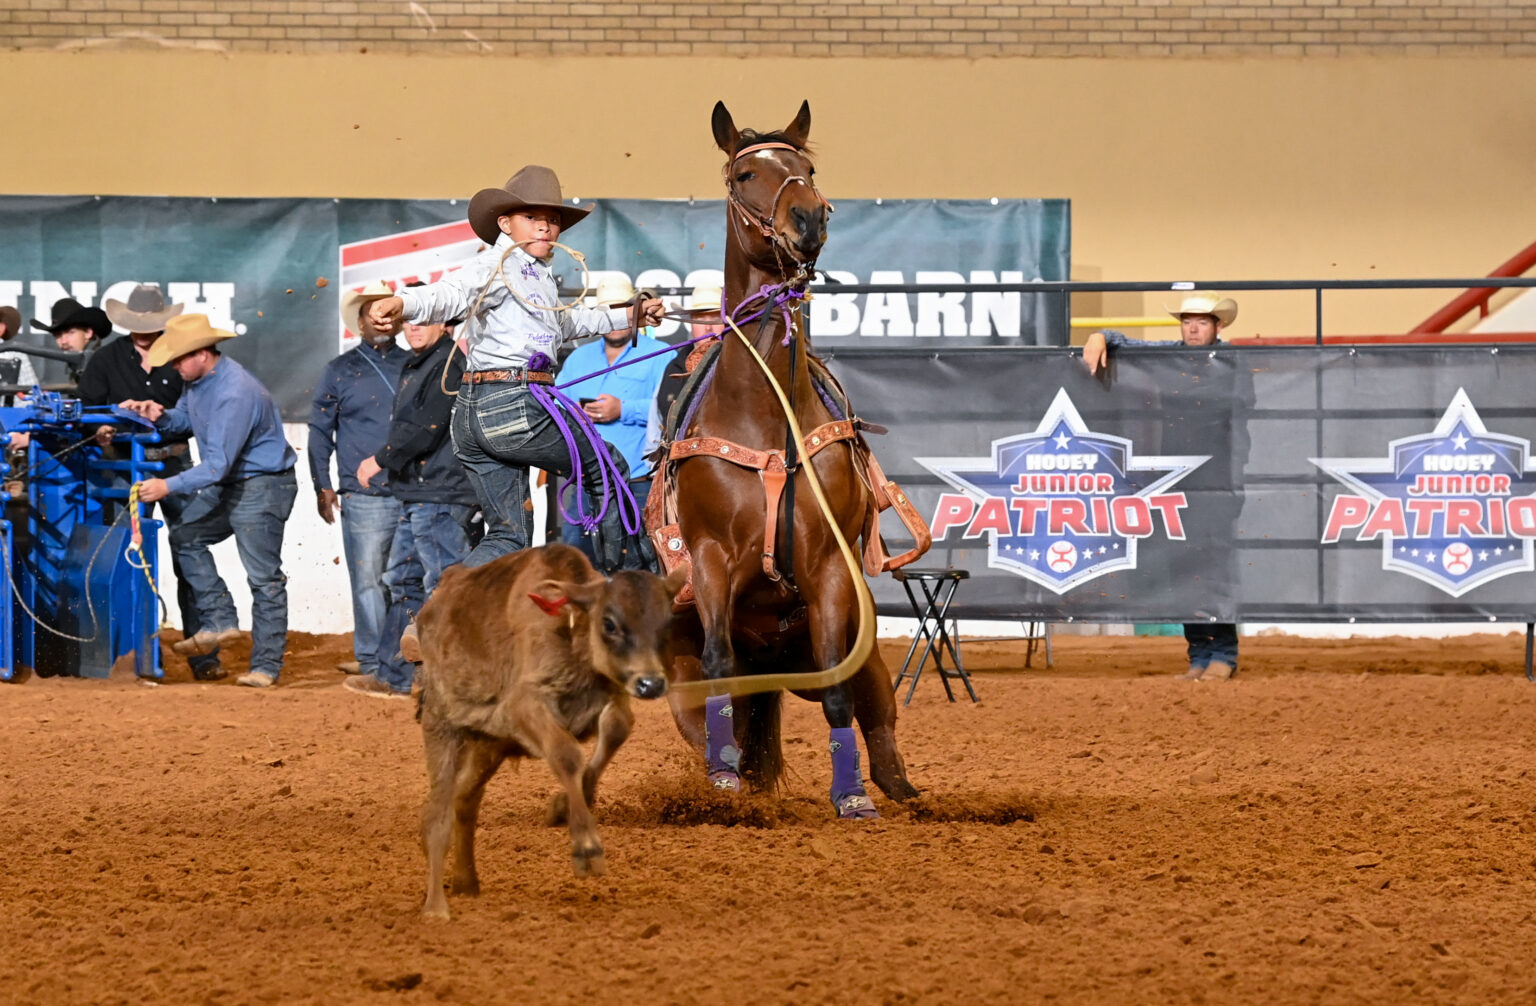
[1429,557]
[1414,552]
[1460,440]
[1498,551]
[1062,441]
[1034,554]
[1483,555]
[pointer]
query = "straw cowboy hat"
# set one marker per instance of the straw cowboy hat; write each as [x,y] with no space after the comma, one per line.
[353,301]
[186,333]
[614,290]
[533,186]
[705,300]
[70,313]
[144,312]
[11,319]
[1224,309]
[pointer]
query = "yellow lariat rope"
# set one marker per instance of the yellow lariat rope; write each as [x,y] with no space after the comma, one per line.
[692,693]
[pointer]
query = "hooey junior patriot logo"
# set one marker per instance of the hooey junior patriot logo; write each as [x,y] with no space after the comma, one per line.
[1453,507]
[1062,505]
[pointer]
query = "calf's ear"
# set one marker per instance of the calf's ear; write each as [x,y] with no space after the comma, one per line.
[584,595]
[551,596]
[677,579]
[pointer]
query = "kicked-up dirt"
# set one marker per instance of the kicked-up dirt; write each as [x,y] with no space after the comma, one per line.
[1347,821]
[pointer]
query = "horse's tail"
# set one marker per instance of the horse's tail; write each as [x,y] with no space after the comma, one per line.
[762,755]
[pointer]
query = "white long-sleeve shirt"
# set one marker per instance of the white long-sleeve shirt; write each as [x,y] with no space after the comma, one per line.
[25,375]
[505,333]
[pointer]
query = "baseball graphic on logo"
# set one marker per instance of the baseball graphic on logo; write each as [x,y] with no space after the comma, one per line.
[1457,557]
[1062,556]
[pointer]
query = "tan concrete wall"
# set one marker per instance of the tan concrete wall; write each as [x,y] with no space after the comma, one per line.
[793,28]
[1205,169]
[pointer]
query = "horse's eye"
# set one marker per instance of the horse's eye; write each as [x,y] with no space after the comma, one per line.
[811,172]
[745,176]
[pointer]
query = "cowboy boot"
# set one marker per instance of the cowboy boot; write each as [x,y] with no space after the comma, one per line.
[1218,671]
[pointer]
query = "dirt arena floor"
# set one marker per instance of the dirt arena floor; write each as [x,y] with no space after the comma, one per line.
[1346,822]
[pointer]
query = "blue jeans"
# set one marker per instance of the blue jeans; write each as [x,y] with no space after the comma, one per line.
[575,536]
[254,511]
[367,528]
[1210,641]
[499,431]
[429,537]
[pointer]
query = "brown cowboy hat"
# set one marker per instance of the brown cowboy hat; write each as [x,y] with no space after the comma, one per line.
[145,310]
[70,313]
[11,319]
[533,186]
[185,333]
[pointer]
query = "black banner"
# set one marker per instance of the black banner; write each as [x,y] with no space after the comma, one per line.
[1225,484]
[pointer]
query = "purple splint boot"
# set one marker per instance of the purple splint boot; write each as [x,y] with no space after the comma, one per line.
[848,794]
[720,751]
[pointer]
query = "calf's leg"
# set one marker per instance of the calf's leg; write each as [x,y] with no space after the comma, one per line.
[613,728]
[565,758]
[478,761]
[442,746]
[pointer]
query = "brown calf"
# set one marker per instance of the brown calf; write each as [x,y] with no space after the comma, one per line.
[527,656]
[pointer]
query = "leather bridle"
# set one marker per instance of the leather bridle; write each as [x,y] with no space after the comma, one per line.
[764,221]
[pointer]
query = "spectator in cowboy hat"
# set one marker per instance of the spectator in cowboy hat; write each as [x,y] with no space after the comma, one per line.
[704,319]
[618,401]
[349,419]
[76,329]
[1202,317]
[121,371]
[243,485]
[15,368]
[507,296]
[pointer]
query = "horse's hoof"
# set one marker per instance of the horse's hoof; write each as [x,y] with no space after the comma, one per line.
[559,811]
[467,886]
[725,782]
[901,790]
[856,807]
[435,910]
[589,864]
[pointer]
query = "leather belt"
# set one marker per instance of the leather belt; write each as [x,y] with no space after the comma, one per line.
[161,453]
[524,376]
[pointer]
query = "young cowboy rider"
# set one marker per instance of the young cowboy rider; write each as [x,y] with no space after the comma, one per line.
[508,295]
[1202,316]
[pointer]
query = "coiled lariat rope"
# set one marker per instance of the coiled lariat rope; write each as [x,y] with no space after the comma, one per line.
[693,693]
[501,265]
[90,607]
[134,552]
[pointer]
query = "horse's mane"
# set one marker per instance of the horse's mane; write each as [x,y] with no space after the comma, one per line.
[750,136]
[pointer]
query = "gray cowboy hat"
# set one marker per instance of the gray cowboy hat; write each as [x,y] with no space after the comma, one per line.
[70,313]
[533,186]
[145,310]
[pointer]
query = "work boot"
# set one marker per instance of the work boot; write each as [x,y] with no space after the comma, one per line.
[1218,671]
[367,684]
[211,673]
[410,644]
[257,679]
[350,667]
[205,641]
[1193,674]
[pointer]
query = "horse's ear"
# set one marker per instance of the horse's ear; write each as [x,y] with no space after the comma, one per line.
[726,133]
[798,131]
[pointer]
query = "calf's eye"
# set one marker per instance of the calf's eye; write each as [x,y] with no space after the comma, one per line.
[610,626]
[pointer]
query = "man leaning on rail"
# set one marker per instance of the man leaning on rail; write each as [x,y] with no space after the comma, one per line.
[1202,317]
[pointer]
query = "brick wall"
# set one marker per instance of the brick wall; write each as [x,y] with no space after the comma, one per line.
[1147,28]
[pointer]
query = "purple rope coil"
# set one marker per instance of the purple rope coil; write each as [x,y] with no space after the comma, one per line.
[560,406]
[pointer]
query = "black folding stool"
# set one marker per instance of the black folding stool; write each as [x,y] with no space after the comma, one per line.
[938,587]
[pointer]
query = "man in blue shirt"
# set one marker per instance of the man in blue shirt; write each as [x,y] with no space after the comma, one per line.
[619,401]
[349,418]
[243,485]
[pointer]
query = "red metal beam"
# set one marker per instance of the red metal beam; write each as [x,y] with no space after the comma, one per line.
[1422,339]
[1474,299]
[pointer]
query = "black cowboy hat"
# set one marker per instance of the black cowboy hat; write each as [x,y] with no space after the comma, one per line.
[533,186]
[69,313]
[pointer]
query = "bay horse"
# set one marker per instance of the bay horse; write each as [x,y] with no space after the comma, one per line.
[761,549]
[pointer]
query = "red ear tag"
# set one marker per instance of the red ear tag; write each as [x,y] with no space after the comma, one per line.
[547,606]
